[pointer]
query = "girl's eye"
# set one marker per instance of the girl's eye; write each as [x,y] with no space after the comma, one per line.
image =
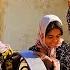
[58,36]
[49,36]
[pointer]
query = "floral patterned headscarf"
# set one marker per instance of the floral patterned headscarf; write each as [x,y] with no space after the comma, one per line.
[5,49]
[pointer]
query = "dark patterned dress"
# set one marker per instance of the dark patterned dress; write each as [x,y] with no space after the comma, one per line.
[63,55]
[68,18]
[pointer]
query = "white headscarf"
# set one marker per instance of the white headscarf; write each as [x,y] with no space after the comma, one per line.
[40,43]
[43,25]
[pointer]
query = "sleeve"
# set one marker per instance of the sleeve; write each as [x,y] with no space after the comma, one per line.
[23,65]
[65,57]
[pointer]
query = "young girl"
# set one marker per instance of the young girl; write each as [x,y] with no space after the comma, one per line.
[50,46]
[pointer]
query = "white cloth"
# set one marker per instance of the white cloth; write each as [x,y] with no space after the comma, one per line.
[35,64]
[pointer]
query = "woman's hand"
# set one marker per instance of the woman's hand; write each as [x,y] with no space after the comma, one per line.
[56,64]
[43,56]
[50,61]
[47,61]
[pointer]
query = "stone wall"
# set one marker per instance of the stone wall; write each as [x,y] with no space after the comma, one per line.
[22,18]
[3,5]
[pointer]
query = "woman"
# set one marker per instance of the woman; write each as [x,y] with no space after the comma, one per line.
[68,15]
[50,46]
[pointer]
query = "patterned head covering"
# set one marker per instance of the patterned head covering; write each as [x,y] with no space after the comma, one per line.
[5,49]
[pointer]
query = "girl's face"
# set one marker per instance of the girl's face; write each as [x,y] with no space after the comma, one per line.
[52,38]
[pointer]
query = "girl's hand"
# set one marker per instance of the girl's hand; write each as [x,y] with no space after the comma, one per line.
[43,56]
[49,60]
[56,64]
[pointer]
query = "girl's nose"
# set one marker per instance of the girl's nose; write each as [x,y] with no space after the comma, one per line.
[55,40]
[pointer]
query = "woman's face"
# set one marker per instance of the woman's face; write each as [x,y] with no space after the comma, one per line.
[68,2]
[52,38]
